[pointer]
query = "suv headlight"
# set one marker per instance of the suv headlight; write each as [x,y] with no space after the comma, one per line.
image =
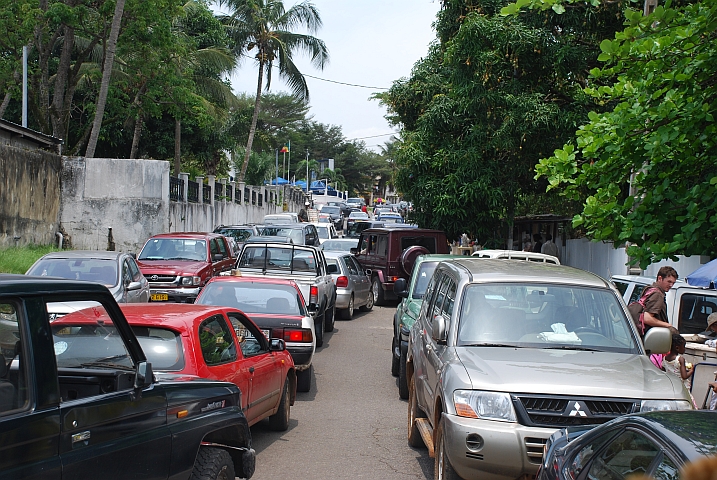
[661,405]
[486,405]
[191,280]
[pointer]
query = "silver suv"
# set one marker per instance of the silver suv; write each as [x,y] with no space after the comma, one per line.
[504,353]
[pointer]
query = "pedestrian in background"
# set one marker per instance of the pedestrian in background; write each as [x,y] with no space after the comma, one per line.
[537,242]
[549,247]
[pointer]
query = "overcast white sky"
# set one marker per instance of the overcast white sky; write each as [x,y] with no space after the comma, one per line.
[370,42]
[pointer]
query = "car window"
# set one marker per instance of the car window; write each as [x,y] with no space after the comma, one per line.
[88,269]
[429,243]
[214,247]
[447,308]
[540,316]
[14,388]
[174,249]
[425,271]
[382,246]
[348,261]
[629,454]
[278,258]
[582,458]
[693,312]
[636,293]
[357,265]
[666,470]
[216,341]
[126,272]
[430,300]
[621,286]
[222,247]
[162,347]
[134,269]
[440,298]
[251,340]
[239,234]
[250,297]
[323,231]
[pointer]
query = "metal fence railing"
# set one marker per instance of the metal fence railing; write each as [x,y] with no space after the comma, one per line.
[192,191]
[176,189]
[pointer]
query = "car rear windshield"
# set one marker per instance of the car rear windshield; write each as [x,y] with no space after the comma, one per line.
[238,234]
[187,249]
[429,243]
[278,258]
[540,316]
[331,210]
[295,234]
[254,297]
[88,269]
[100,345]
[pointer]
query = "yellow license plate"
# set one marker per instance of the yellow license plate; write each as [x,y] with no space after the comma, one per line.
[160,297]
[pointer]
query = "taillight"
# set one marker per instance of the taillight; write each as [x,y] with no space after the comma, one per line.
[314,295]
[298,335]
[342,282]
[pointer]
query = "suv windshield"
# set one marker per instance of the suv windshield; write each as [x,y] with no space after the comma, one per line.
[174,249]
[540,316]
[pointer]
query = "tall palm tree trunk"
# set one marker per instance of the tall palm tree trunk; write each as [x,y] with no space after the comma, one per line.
[106,74]
[137,134]
[254,118]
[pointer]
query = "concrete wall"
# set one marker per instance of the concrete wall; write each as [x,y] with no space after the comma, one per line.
[29,195]
[131,197]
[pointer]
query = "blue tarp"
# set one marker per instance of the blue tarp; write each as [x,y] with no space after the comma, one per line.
[278,181]
[705,276]
[300,184]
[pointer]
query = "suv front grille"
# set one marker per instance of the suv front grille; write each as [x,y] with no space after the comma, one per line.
[155,279]
[553,411]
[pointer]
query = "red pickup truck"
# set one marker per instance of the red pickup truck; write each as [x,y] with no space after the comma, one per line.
[177,265]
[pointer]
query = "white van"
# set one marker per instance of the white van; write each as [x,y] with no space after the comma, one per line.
[517,255]
[281,218]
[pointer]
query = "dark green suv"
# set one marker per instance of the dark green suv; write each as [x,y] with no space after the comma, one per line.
[79,409]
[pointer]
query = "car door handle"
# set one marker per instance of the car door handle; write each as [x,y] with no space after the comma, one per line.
[81,437]
[251,369]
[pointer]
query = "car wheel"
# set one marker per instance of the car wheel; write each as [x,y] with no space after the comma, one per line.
[442,468]
[303,379]
[348,313]
[319,329]
[213,464]
[369,302]
[414,436]
[402,383]
[394,359]
[330,318]
[279,422]
[377,291]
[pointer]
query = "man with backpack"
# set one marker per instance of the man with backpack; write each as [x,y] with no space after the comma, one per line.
[651,310]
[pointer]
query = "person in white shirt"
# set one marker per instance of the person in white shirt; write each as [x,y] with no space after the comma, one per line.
[549,247]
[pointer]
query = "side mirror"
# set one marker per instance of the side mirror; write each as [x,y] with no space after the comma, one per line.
[133,286]
[354,251]
[400,288]
[657,340]
[143,375]
[332,268]
[439,329]
[217,257]
[277,345]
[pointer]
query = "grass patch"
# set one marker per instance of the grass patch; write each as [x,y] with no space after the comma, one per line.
[19,259]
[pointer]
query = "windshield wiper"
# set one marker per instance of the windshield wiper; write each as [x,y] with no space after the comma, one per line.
[573,347]
[491,345]
[107,365]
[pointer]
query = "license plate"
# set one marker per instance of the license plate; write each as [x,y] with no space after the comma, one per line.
[160,297]
[247,334]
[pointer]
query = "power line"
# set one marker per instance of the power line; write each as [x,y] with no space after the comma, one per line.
[373,136]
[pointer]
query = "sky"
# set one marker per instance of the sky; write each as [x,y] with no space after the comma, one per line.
[370,43]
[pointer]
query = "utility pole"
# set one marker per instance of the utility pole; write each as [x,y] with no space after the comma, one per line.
[307,171]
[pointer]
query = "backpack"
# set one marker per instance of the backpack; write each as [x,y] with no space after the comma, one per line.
[637,310]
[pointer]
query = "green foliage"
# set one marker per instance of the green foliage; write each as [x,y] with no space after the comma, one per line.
[649,165]
[492,98]
[20,259]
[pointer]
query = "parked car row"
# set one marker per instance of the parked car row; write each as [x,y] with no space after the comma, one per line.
[507,362]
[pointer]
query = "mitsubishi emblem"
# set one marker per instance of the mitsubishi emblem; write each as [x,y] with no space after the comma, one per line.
[154,278]
[577,412]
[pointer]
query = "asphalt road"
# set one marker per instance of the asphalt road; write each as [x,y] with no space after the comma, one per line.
[352,423]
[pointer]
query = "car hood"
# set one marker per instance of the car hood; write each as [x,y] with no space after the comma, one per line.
[170,267]
[566,372]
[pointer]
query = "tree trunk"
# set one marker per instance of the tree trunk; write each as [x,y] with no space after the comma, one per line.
[106,74]
[5,103]
[57,113]
[136,136]
[252,129]
[177,146]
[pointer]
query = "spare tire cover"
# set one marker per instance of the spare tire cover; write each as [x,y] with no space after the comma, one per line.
[408,257]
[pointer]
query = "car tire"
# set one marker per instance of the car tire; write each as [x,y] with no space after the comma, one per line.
[213,464]
[319,329]
[279,422]
[394,359]
[402,382]
[369,303]
[414,436]
[442,468]
[348,313]
[330,318]
[303,379]
[377,291]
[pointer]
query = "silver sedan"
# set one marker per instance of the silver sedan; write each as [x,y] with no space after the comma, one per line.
[353,287]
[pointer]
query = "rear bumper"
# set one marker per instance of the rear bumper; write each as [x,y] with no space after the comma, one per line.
[343,295]
[301,353]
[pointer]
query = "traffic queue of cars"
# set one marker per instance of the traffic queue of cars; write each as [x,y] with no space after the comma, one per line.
[515,367]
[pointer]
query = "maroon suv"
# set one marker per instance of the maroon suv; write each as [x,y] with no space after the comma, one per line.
[178,265]
[389,254]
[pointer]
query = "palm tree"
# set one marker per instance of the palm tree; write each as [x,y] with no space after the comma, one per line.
[264,27]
